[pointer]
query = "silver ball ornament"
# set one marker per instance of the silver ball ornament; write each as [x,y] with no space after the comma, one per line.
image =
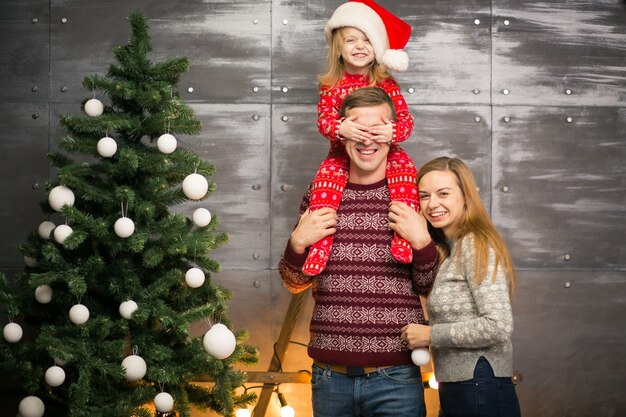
[43,294]
[219,341]
[62,232]
[195,186]
[12,332]
[127,308]
[420,356]
[134,367]
[163,402]
[79,314]
[45,228]
[94,107]
[194,277]
[166,143]
[124,227]
[106,147]
[55,376]
[201,217]
[31,406]
[60,196]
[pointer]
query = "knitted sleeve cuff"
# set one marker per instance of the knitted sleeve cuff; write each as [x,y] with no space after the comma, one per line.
[294,259]
[426,254]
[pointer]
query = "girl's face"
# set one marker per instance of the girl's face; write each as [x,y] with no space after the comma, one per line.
[356,50]
[442,200]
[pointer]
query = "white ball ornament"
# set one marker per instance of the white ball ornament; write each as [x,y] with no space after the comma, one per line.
[163,402]
[194,277]
[420,356]
[124,227]
[94,107]
[219,341]
[30,262]
[106,147]
[12,332]
[31,406]
[43,294]
[55,376]
[201,217]
[60,196]
[79,314]
[134,367]
[166,143]
[62,232]
[45,228]
[127,308]
[195,186]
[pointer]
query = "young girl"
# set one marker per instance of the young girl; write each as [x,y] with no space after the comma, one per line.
[365,41]
[469,306]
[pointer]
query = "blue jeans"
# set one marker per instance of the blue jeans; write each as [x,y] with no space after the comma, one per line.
[485,395]
[389,392]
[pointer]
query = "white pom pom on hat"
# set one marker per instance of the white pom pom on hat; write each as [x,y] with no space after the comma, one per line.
[387,33]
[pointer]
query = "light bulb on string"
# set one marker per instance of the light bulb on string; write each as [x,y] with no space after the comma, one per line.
[285,409]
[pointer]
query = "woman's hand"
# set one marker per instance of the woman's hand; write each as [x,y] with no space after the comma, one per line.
[417,335]
[312,227]
[409,224]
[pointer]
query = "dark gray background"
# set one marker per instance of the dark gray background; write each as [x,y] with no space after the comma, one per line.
[489,92]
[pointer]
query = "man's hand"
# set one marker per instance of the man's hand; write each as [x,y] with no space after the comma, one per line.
[409,224]
[312,227]
[350,130]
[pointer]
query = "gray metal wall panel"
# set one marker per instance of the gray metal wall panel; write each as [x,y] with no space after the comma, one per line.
[228,45]
[549,47]
[24,50]
[566,185]
[569,343]
[23,169]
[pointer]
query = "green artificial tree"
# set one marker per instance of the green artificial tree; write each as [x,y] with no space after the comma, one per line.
[97,290]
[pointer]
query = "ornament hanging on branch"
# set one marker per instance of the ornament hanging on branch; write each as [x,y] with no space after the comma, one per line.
[195,186]
[124,227]
[94,107]
[43,294]
[62,232]
[420,356]
[201,217]
[79,314]
[60,196]
[134,367]
[45,228]
[163,402]
[194,277]
[31,262]
[31,406]
[166,143]
[54,376]
[12,332]
[127,308]
[106,147]
[219,341]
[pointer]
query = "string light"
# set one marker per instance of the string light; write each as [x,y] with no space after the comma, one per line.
[285,409]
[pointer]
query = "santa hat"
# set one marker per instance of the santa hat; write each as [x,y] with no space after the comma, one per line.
[387,33]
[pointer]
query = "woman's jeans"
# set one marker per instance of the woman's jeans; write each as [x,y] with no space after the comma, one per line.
[391,392]
[485,395]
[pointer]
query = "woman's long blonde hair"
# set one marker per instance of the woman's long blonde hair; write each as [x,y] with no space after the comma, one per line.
[475,220]
[335,68]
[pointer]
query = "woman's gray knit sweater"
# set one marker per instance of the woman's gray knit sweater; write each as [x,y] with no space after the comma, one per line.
[469,320]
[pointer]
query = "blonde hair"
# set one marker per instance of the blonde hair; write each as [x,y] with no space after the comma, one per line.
[474,220]
[335,67]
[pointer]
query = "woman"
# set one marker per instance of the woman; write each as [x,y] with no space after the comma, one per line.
[469,306]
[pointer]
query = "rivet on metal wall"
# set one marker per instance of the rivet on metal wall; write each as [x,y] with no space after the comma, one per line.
[284,118]
[506,91]
[568,91]
[35,186]
[505,189]
[506,22]
[190,90]
[256,187]
[284,187]
[64,20]
[477,22]
[567,257]
[411,90]
[63,89]
[284,89]
[569,119]
[477,119]
[476,91]
[255,117]
[568,284]
[34,20]
[507,119]
[257,284]
[34,89]
[517,377]
[255,255]
[285,21]
[35,116]
[255,89]
[255,21]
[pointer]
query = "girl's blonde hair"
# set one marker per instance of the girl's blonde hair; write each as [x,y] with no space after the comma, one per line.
[335,68]
[474,220]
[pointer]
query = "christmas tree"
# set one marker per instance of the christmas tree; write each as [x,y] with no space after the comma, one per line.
[111,289]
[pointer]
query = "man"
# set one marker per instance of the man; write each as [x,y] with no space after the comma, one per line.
[364,297]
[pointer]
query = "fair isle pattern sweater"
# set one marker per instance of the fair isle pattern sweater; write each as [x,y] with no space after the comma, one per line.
[469,320]
[364,297]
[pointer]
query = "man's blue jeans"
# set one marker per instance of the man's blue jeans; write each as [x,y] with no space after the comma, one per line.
[389,392]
